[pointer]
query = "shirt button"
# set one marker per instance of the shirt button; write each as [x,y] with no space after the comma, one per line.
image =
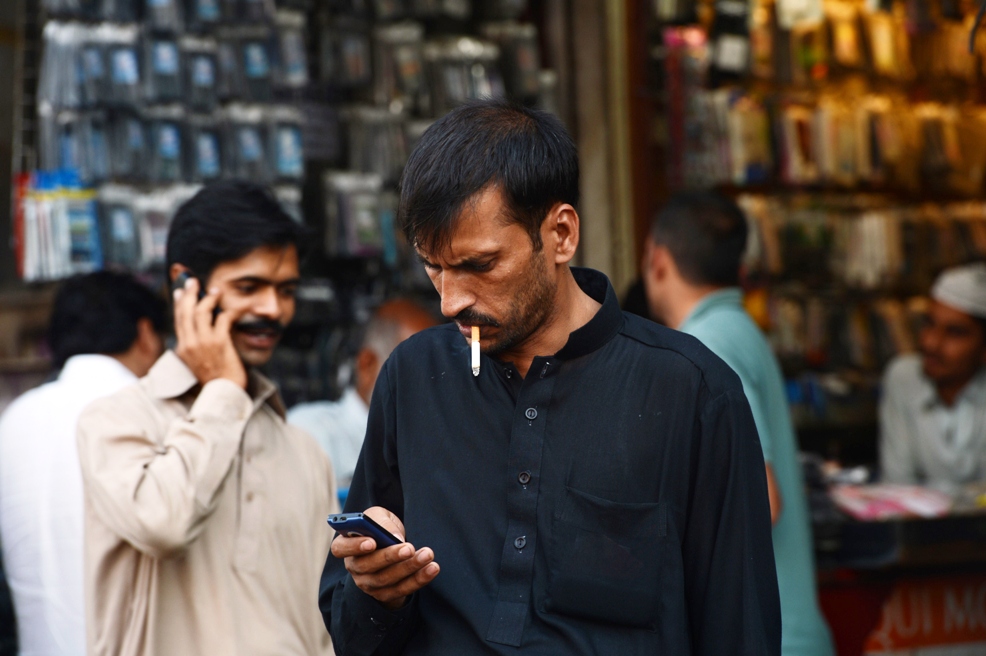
[249,496]
[531,414]
[524,477]
[521,542]
[507,373]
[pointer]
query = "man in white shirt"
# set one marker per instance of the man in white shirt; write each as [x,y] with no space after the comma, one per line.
[339,426]
[933,410]
[104,334]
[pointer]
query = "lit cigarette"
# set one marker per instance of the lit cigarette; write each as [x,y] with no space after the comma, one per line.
[475,350]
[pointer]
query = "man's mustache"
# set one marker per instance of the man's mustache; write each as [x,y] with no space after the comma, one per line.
[470,317]
[259,325]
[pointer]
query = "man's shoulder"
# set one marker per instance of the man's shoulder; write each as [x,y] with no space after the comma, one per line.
[667,348]
[28,403]
[904,371]
[129,403]
[314,411]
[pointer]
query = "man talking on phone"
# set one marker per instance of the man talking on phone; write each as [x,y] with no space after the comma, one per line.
[205,511]
[590,483]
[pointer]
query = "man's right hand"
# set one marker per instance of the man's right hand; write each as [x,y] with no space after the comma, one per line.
[206,346]
[388,575]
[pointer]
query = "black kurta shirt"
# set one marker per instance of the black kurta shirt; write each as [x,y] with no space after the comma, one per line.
[614,501]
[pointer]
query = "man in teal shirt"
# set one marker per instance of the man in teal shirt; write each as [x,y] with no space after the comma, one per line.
[691,275]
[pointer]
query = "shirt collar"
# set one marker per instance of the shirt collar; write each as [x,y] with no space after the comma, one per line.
[170,378]
[606,323]
[725,297]
[974,392]
[86,367]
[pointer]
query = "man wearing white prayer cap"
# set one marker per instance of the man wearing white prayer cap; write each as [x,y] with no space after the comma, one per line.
[933,410]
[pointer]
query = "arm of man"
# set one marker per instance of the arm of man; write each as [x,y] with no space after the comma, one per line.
[367,596]
[730,576]
[156,493]
[896,453]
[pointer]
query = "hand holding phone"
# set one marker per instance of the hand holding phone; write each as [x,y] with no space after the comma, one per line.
[357,524]
[205,343]
[389,574]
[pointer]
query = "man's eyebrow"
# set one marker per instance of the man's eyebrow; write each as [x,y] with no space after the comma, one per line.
[472,260]
[260,280]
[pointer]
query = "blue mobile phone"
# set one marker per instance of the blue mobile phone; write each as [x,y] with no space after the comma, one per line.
[352,525]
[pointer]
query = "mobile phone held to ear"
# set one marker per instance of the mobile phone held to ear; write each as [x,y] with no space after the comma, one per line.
[353,525]
[184,277]
[179,283]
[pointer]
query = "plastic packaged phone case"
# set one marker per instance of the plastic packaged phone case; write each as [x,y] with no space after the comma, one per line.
[257,11]
[352,213]
[118,226]
[165,127]
[292,59]
[286,149]
[205,149]
[246,142]
[344,52]
[163,15]
[94,77]
[125,83]
[94,166]
[229,80]
[162,70]
[520,58]
[203,15]
[461,69]
[377,143]
[201,83]
[60,84]
[399,80]
[255,53]
[128,146]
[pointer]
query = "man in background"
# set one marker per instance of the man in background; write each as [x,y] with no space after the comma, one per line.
[933,410]
[205,511]
[691,272]
[339,426]
[104,333]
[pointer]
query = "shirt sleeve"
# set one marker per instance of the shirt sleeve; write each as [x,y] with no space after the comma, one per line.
[896,453]
[360,625]
[730,576]
[757,405]
[157,495]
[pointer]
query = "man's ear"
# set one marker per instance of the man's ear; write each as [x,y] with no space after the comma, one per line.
[657,260]
[560,232]
[367,367]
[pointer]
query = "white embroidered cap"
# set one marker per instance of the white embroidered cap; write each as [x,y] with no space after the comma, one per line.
[963,288]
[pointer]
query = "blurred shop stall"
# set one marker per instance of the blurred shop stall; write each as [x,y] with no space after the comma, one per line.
[127,107]
[853,135]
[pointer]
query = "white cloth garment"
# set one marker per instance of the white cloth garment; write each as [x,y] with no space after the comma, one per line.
[41,506]
[339,428]
[925,442]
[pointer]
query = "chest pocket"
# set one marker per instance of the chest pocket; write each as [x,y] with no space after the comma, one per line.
[605,560]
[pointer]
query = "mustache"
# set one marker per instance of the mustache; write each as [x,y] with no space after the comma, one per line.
[259,325]
[472,318]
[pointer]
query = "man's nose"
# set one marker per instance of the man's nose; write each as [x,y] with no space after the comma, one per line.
[266,304]
[930,340]
[455,295]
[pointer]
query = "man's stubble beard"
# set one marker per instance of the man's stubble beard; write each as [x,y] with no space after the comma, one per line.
[531,311]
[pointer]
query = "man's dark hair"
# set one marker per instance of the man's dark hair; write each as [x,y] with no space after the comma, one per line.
[706,235]
[225,221]
[98,313]
[527,154]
